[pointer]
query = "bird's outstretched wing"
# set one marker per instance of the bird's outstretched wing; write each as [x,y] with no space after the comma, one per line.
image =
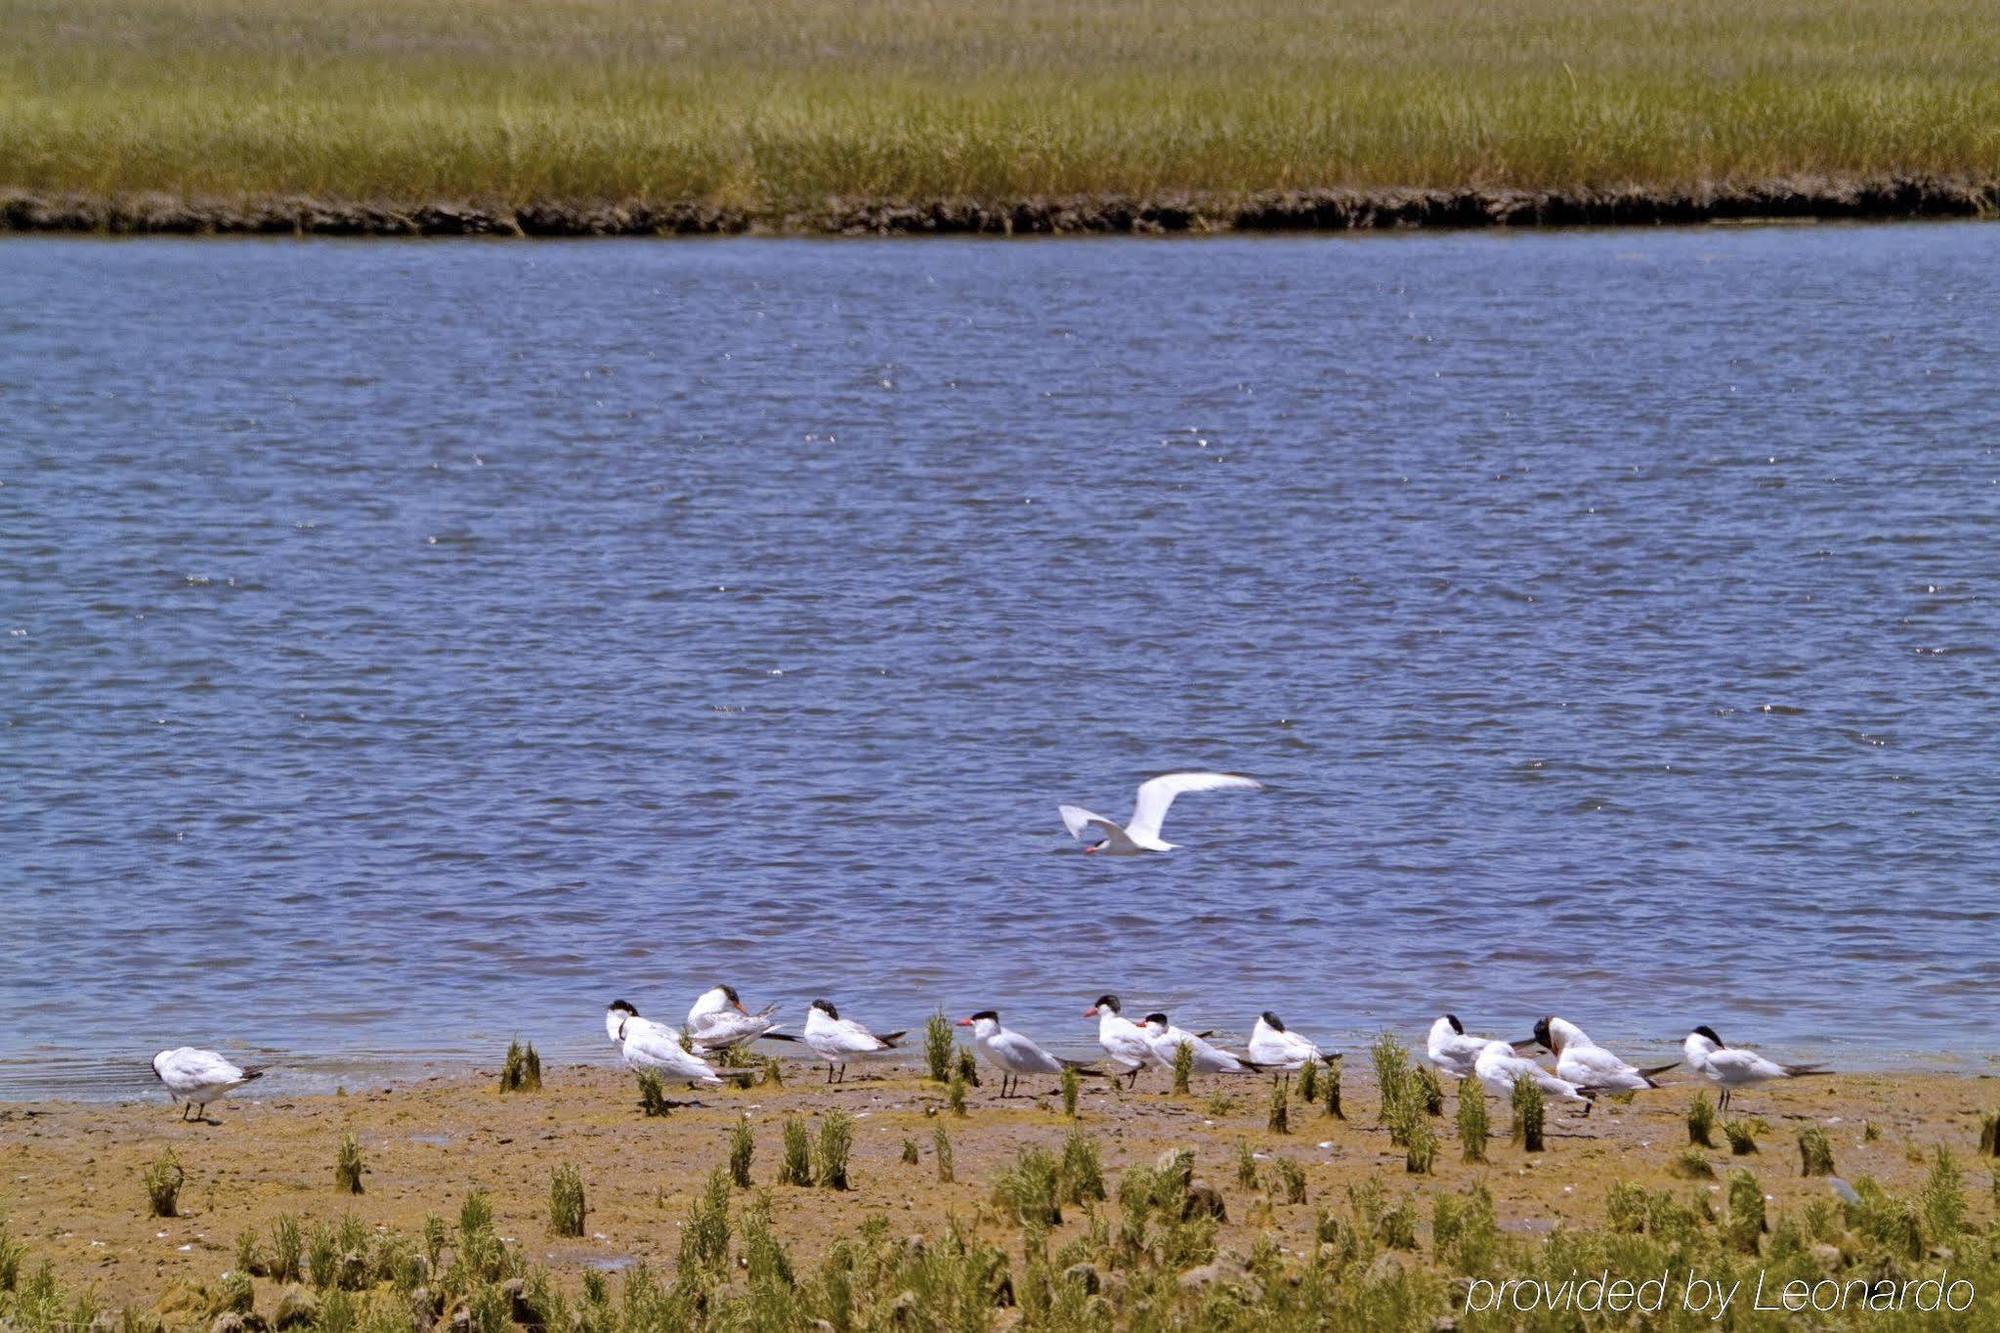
[1076,819]
[1158,793]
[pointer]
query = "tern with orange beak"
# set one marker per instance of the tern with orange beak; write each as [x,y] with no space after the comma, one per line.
[1122,1039]
[1141,833]
[1012,1053]
[719,1020]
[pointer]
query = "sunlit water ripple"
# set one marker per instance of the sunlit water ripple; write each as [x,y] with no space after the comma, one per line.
[407,646]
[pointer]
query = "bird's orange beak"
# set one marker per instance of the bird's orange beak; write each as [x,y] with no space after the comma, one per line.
[965,1022]
[1090,1012]
[1091,848]
[741,1010]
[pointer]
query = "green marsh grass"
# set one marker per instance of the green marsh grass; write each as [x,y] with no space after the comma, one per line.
[911,1154]
[1691,1165]
[1072,1086]
[1530,1112]
[1309,1081]
[287,1249]
[347,1166]
[522,1070]
[1082,1169]
[652,1092]
[968,1068]
[249,1255]
[1942,1199]
[939,1046]
[796,1166]
[836,1137]
[705,1234]
[1815,1152]
[1030,1190]
[12,1252]
[1701,1120]
[1746,1220]
[566,1202]
[742,1148]
[1331,1090]
[941,1149]
[1424,1081]
[1989,1135]
[1279,1120]
[1742,1136]
[1287,1181]
[955,1094]
[1472,1123]
[1392,1078]
[163,1179]
[777,105]
[1183,1069]
[1246,1165]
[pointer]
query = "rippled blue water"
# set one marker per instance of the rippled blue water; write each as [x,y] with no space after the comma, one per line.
[405,646]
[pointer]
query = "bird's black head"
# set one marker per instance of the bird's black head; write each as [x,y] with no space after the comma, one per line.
[1706,1031]
[1161,1019]
[621,1007]
[826,1007]
[986,1013]
[1108,1002]
[729,993]
[1456,1026]
[1272,1021]
[1542,1033]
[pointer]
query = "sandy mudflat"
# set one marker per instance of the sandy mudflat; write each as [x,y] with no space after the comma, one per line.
[70,1173]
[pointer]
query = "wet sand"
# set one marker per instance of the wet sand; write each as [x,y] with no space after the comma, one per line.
[71,1193]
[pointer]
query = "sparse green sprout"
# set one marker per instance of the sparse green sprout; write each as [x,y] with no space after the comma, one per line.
[705,1234]
[1989,1135]
[1529,1113]
[1183,1068]
[1742,1136]
[287,1249]
[939,1046]
[1943,1197]
[941,1149]
[1392,1074]
[1701,1121]
[522,1071]
[1309,1081]
[911,1155]
[1332,1089]
[774,1071]
[1082,1170]
[12,1252]
[1626,1207]
[1288,1181]
[163,1180]
[1746,1212]
[687,1039]
[1815,1152]
[1031,1189]
[1691,1165]
[968,1068]
[1472,1123]
[796,1168]
[1246,1165]
[1424,1083]
[742,1147]
[955,1093]
[652,1092]
[836,1136]
[1420,1139]
[1072,1086]
[1870,1131]
[249,1256]
[566,1205]
[1221,1104]
[1280,1119]
[347,1166]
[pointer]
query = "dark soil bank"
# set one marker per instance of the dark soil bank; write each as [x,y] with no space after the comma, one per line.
[1310,210]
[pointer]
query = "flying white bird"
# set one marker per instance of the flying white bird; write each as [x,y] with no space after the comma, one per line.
[1012,1053]
[1122,1039]
[1734,1067]
[1451,1050]
[1498,1069]
[718,1020]
[1586,1064]
[1142,832]
[1165,1039]
[838,1040]
[646,1044]
[197,1077]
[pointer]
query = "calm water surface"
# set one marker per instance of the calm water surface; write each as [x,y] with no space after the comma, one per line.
[407,646]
